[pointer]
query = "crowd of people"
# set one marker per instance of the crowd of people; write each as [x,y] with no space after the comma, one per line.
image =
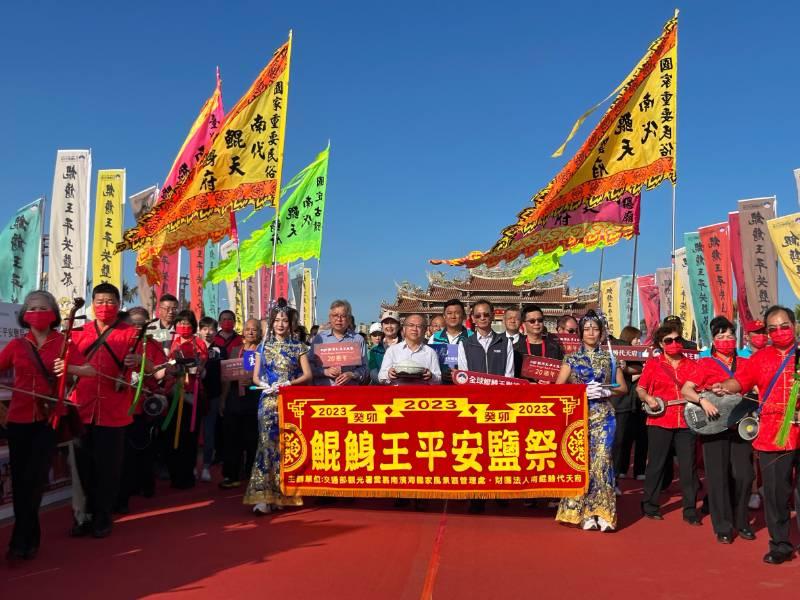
[143,395]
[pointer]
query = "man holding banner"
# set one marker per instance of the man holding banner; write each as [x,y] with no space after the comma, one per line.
[339,356]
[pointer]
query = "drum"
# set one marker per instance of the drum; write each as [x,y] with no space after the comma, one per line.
[732,409]
[154,405]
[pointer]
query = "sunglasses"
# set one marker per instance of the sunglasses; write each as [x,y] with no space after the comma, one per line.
[572,330]
[782,326]
[669,340]
[481,315]
[535,321]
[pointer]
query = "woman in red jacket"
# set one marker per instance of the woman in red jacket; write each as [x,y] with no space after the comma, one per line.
[727,457]
[663,377]
[35,360]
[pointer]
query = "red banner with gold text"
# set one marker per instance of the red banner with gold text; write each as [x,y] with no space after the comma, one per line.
[716,251]
[472,441]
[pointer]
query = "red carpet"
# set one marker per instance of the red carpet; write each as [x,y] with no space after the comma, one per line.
[204,544]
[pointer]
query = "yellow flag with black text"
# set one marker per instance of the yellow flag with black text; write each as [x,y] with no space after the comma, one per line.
[108,218]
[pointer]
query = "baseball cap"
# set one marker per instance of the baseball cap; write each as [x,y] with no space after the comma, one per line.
[390,314]
[672,319]
[755,326]
[375,328]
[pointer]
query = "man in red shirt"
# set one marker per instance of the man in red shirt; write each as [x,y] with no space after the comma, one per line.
[772,370]
[107,344]
[226,337]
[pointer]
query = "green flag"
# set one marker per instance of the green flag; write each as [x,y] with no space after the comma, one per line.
[21,253]
[299,226]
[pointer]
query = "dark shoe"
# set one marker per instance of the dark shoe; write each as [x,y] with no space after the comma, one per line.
[747,534]
[777,558]
[704,508]
[15,554]
[80,529]
[229,484]
[31,553]
[401,502]
[122,509]
[693,521]
[476,507]
[502,503]
[654,515]
[724,538]
[419,505]
[101,532]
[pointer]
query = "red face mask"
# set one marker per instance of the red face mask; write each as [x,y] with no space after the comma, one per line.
[184,330]
[39,319]
[673,348]
[782,338]
[227,326]
[726,347]
[758,340]
[106,312]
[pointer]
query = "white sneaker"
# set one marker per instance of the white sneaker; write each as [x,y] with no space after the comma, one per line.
[589,524]
[617,491]
[640,478]
[605,526]
[754,502]
[262,508]
[205,475]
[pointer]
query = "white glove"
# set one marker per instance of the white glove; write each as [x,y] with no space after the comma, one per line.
[281,384]
[594,391]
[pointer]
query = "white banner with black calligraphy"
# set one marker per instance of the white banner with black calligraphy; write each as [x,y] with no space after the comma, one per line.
[69,227]
[759,260]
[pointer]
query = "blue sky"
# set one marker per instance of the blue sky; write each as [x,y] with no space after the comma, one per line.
[442,115]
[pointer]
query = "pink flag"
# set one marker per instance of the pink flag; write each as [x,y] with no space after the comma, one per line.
[203,130]
[745,316]
[649,297]
[280,286]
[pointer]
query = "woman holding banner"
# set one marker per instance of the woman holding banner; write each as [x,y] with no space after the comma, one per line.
[727,457]
[35,360]
[597,369]
[281,361]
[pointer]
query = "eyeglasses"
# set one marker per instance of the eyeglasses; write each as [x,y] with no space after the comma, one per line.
[669,340]
[782,326]
[412,325]
[534,321]
[481,315]
[338,317]
[376,333]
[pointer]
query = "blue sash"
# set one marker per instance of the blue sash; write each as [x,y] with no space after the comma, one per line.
[723,365]
[775,378]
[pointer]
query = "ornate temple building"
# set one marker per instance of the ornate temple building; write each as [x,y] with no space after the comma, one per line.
[552,294]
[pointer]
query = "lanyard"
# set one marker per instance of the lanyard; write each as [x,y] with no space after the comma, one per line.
[528,346]
[723,365]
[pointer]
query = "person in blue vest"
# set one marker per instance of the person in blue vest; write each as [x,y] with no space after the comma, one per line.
[453,332]
[485,352]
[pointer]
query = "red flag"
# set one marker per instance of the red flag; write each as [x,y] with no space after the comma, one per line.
[716,251]
[263,277]
[196,266]
[234,229]
[651,304]
[170,275]
[735,245]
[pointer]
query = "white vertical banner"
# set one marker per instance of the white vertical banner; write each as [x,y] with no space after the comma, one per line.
[140,203]
[797,182]
[231,286]
[69,227]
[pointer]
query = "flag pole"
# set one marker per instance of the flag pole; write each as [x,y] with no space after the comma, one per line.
[600,277]
[278,192]
[633,278]
[672,261]
[316,286]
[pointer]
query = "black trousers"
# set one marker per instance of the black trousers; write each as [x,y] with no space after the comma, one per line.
[99,459]
[777,469]
[623,422]
[138,463]
[182,460]
[729,476]
[241,443]
[660,443]
[30,448]
[635,434]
